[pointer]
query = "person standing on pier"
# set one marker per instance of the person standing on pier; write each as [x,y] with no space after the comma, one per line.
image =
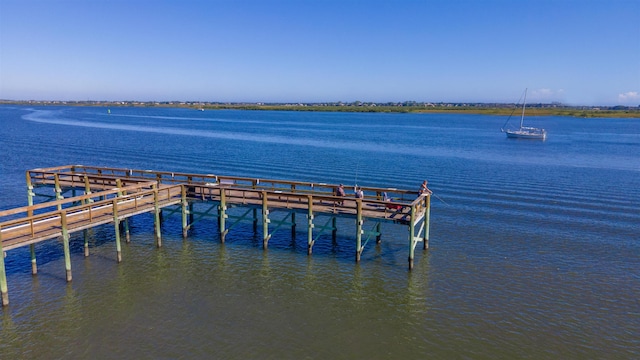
[424,189]
[339,191]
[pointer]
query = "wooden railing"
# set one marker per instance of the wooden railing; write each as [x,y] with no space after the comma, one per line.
[164,177]
[80,212]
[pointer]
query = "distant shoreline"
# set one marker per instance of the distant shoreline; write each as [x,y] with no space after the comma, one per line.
[476,109]
[449,110]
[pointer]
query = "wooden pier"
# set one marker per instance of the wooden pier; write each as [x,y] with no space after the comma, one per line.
[81,197]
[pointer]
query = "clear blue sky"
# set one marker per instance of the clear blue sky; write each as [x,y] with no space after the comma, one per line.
[579,52]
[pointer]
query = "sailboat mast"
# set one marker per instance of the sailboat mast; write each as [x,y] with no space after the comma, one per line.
[524,102]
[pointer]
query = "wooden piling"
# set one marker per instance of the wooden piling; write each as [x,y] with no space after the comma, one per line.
[255,220]
[34,262]
[293,225]
[427,221]
[4,291]
[359,223]
[310,225]
[185,204]
[334,228]
[127,235]
[65,244]
[156,217]
[265,221]
[222,217]
[124,222]
[116,225]
[85,233]
[412,226]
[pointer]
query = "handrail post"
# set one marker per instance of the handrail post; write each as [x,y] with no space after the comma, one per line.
[58,189]
[87,188]
[30,193]
[119,186]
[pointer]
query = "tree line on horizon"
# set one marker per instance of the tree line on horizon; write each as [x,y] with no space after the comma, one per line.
[541,109]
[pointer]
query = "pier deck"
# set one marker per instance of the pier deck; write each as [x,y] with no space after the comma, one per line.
[112,195]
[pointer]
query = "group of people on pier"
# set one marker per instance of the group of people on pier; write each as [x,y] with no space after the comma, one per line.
[339,191]
[359,194]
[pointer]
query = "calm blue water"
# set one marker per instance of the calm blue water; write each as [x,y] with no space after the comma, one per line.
[535,246]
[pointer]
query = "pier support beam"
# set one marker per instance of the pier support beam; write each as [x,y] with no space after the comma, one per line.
[34,262]
[427,221]
[127,235]
[412,243]
[255,220]
[65,244]
[265,221]
[156,218]
[293,225]
[116,222]
[85,232]
[3,276]
[310,225]
[222,211]
[334,231]
[359,223]
[185,204]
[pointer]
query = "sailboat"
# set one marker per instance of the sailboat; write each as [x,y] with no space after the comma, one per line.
[525,132]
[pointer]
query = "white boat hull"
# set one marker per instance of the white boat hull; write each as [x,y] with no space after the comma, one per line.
[527,133]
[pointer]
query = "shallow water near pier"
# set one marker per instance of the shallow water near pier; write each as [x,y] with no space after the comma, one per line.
[534,247]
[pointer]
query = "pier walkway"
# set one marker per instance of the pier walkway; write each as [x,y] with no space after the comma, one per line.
[81,197]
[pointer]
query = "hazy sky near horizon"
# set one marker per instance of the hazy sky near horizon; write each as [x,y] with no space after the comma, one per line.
[578,52]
